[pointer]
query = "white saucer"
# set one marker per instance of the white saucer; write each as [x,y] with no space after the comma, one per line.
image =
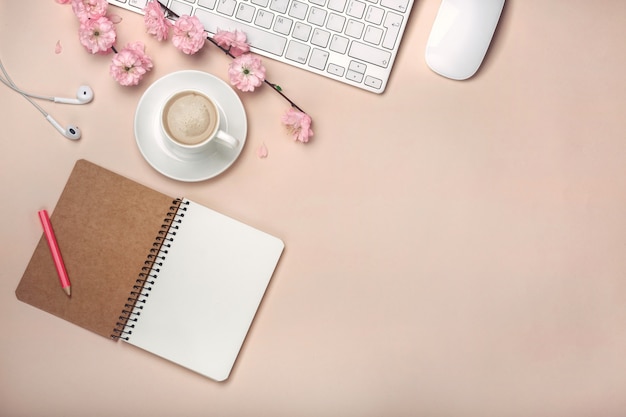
[151,142]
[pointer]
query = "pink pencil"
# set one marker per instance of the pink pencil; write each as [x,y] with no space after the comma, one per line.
[56,253]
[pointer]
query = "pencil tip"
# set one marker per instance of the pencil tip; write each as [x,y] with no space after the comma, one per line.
[68,291]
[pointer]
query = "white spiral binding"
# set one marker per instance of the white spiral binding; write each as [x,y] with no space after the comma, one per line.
[149,274]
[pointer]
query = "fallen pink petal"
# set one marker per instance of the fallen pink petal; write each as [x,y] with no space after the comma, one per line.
[58,48]
[115,18]
[262,151]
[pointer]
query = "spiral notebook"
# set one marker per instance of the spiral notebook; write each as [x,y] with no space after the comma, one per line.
[170,276]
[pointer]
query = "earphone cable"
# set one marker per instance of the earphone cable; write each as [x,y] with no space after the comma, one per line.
[9,83]
[19,90]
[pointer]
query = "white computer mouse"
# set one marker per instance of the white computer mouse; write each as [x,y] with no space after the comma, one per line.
[461,35]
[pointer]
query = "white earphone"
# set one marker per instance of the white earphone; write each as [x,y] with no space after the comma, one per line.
[83,96]
[71,132]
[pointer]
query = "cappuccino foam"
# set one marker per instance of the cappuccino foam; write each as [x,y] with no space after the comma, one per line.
[189,118]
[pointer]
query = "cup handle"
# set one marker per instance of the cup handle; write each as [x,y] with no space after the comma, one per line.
[226,139]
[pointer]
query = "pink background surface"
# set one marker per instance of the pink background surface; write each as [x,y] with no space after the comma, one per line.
[452,248]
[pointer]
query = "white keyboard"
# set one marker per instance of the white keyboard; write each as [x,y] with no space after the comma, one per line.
[353,41]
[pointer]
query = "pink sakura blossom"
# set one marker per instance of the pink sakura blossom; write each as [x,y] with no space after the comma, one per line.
[246,72]
[298,124]
[97,35]
[89,9]
[156,23]
[130,64]
[188,34]
[63,1]
[234,42]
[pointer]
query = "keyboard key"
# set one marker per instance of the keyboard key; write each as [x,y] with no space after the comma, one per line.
[336,70]
[318,59]
[355,9]
[369,54]
[397,5]
[317,16]
[261,3]
[354,76]
[339,44]
[392,23]
[180,8]
[335,22]
[354,29]
[373,35]
[226,7]
[318,2]
[357,67]
[209,4]
[298,10]
[297,51]
[320,38]
[245,12]
[301,31]
[373,82]
[140,4]
[374,15]
[264,19]
[337,5]
[279,6]
[257,38]
[283,25]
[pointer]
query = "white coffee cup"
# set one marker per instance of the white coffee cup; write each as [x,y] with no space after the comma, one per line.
[190,121]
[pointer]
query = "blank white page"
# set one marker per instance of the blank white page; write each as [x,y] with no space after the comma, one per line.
[207,292]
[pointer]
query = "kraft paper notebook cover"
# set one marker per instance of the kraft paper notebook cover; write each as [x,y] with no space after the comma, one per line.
[167,275]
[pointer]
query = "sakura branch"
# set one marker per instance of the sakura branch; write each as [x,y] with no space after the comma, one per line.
[234,45]
[97,33]
[246,72]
